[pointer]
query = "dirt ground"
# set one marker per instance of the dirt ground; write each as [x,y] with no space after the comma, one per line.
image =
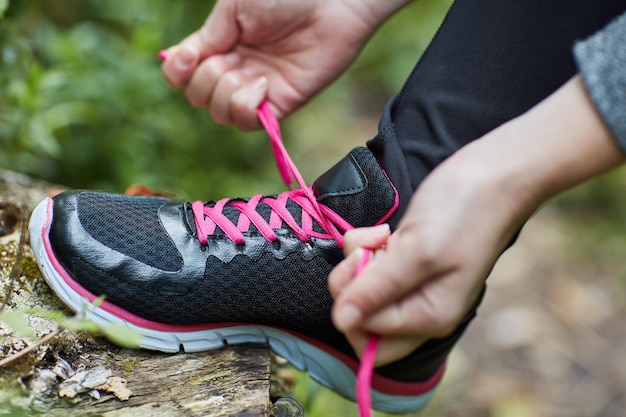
[549,339]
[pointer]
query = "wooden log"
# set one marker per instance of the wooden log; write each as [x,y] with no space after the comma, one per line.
[233,381]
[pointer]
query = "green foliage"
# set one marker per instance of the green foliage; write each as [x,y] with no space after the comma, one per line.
[4,5]
[75,323]
[122,335]
[83,103]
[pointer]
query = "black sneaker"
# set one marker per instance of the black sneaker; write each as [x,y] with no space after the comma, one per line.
[196,276]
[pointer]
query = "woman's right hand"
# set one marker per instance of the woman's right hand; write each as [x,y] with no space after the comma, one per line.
[282,50]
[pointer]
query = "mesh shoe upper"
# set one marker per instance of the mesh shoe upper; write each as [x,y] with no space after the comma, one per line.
[132,229]
[144,254]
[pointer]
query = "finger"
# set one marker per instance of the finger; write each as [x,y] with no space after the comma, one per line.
[358,340]
[387,277]
[217,35]
[366,237]
[351,305]
[392,349]
[220,31]
[432,311]
[344,272]
[245,101]
[355,241]
[227,85]
[388,350]
[201,87]
[428,315]
[179,66]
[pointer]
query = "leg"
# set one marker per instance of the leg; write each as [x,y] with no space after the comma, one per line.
[489,62]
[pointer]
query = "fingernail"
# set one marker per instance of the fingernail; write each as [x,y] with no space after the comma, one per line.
[231,59]
[260,83]
[163,54]
[183,61]
[347,317]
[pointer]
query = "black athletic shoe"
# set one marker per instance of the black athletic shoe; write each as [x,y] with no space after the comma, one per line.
[195,276]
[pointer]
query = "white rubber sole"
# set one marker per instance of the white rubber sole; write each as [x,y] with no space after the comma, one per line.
[322,366]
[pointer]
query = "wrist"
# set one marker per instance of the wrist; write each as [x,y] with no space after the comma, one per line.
[487,172]
[567,142]
[558,144]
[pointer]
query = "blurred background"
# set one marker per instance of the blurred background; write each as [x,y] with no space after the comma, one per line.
[83,104]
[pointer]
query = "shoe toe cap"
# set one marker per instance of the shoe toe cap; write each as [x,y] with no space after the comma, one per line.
[110,229]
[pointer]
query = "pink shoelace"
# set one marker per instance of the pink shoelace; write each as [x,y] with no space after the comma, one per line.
[209,218]
[366,367]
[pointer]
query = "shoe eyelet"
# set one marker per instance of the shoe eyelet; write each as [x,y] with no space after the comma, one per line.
[276,244]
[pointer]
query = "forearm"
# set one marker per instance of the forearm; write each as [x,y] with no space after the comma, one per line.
[557,145]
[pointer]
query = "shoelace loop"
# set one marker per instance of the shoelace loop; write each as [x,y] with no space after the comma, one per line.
[209,217]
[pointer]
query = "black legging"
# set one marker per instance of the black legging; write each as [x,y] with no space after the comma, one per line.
[490,61]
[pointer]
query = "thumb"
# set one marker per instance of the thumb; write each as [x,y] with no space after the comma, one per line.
[389,350]
[218,34]
[389,276]
[220,31]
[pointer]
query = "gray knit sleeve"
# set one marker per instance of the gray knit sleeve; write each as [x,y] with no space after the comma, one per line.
[601,61]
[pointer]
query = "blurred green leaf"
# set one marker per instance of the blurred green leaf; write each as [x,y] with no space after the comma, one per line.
[98,301]
[117,333]
[17,321]
[84,103]
[73,323]
[122,335]
[4,5]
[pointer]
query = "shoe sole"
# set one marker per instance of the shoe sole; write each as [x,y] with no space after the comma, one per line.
[330,368]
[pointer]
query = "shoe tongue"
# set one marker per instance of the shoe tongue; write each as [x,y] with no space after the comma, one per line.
[357,189]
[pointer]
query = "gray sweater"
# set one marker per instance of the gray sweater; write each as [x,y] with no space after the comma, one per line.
[601,61]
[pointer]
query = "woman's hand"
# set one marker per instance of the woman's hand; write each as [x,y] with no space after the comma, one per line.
[282,50]
[425,277]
